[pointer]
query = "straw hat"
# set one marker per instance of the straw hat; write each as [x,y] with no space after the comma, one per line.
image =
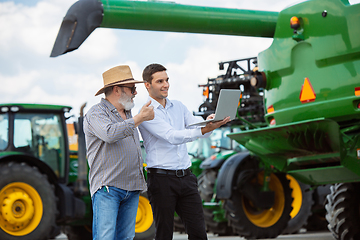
[117,76]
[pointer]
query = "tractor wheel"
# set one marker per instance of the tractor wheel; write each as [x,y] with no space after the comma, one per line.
[27,203]
[145,225]
[77,232]
[343,209]
[250,221]
[317,221]
[302,204]
[206,182]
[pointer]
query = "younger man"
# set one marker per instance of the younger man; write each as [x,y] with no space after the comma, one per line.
[171,185]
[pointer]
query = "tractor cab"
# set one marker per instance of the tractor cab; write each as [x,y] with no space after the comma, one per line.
[32,131]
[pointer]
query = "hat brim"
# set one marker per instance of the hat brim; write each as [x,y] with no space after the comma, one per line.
[117,84]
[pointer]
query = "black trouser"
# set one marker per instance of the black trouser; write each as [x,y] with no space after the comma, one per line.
[168,193]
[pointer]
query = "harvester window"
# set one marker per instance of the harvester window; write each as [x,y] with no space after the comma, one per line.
[4,131]
[219,138]
[41,135]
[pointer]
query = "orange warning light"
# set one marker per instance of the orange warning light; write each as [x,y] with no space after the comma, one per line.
[240,100]
[270,109]
[307,93]
[294,23]
[272,122]
[357,91]
[206,92]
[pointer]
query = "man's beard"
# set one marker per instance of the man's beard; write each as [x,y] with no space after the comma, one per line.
[126,102]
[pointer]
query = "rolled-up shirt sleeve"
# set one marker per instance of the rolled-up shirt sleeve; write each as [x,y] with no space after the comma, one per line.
[108,131]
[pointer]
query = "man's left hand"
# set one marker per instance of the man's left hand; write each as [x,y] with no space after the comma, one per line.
[210,126]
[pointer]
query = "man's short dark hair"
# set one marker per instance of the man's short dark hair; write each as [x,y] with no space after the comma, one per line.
[150,69]
[108,91]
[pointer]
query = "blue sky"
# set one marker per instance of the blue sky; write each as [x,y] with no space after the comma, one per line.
[27,73]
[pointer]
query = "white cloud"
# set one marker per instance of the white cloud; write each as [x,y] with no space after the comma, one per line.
[31,28]
[13,84]
[100,46]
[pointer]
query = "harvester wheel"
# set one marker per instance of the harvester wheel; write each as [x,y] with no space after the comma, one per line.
[145,225]
[302,204]
[317,221]
[343,209]
[27,203]
[250,221]
[206,182]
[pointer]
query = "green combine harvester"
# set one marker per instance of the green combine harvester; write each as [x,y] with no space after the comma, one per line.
[310,76]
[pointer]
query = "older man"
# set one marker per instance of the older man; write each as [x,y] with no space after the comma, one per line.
[114,156]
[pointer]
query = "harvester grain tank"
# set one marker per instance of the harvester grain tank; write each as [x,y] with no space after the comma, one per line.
[311,81]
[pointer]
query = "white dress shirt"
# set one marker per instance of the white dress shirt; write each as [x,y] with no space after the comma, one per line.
[165,136]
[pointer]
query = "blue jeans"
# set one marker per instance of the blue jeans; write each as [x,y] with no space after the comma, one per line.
[114,213]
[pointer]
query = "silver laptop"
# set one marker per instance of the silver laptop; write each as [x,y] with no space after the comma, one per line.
[227,105]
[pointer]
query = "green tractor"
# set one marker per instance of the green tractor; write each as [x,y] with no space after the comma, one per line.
[43,185]
[310,78]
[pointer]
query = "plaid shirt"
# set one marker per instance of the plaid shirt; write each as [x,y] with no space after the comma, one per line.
[113,149]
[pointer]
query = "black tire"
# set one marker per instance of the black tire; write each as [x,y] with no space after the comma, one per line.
[317,221]
[302,205]
[56,232]
[31,200]
[251,222]
[145,225]
[206,182]
[77,232]
[342,211]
